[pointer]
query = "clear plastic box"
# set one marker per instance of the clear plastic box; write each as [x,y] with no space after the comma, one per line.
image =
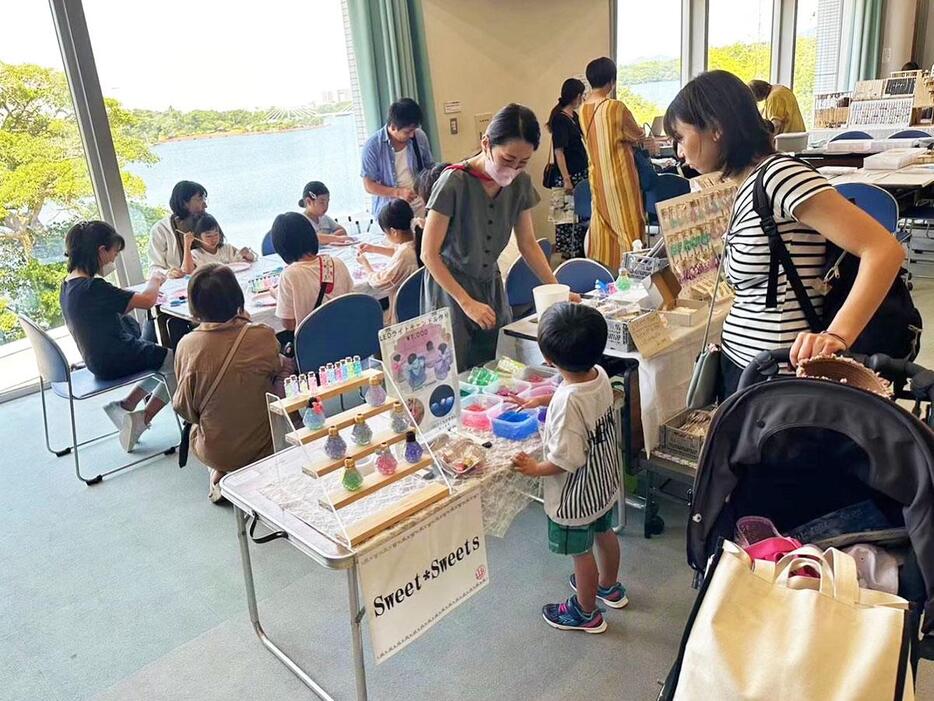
[516,425]
[478,410]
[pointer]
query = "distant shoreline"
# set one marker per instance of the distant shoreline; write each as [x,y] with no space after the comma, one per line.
[226,134]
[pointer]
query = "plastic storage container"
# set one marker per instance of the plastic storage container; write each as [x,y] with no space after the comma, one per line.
[479,409]
[544,390]
[509,387]
[539,374]
[516,425]
[468,388]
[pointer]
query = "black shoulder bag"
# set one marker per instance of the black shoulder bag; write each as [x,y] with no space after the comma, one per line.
[895,328]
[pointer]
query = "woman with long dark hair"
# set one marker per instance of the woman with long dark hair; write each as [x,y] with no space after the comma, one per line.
[473,210]
[570,159]
[167,237]
[715,123]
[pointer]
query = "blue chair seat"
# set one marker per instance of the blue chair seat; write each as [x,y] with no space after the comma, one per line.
[84,384]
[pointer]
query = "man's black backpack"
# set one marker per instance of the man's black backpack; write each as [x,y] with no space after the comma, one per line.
[895,328]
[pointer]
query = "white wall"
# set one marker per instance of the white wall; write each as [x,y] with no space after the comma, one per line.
[488,53]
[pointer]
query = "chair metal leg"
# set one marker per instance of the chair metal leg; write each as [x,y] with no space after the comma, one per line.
[45,424]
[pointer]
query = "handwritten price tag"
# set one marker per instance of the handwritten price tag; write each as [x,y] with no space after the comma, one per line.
[650,334]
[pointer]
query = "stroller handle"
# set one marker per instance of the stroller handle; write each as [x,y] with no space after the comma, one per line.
[767,363]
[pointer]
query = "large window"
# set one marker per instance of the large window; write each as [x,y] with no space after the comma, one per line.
[252,100]
[740,37]
[649,60]
[807,78]
[44,181]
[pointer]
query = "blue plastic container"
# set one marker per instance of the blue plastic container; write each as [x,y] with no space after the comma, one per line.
[516,425]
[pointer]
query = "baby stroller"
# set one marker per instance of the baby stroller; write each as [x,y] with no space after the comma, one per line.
[795,450]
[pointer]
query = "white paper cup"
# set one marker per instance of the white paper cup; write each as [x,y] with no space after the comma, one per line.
[546,295]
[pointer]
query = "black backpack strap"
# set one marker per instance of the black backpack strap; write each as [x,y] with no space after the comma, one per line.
[418,154]
[779,255]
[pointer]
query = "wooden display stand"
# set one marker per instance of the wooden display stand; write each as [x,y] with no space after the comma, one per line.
[339,498]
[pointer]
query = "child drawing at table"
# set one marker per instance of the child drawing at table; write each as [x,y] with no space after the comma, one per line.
[316,199]
[207,244]
[580,470]
[395,219]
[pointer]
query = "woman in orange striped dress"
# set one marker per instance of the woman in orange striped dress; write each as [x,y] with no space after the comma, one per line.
[611,133]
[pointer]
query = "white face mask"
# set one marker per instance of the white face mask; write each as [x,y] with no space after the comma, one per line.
[501,175]
[108,268]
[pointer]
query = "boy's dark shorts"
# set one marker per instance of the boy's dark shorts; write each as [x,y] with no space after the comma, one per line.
[577,540]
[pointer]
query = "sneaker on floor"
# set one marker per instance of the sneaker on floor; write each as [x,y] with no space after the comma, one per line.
[569,616]
[134,423]
[214,493]
[614,597]
[115,412]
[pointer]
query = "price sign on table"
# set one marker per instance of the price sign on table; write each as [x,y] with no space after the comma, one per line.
[650,334]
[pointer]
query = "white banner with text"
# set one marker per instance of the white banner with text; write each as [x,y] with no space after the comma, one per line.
[412,581]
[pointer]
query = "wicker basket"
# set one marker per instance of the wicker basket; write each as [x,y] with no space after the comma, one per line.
[672,439]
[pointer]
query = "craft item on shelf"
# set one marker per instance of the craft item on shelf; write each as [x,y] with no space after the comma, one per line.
[332,376]
[622,281]
[845,371]
[515,425]
[375,394]
[322,376]
[385,461]
[302,383]
[339,371]
[399,421]
[335,447]
[361,434]
[351,479]
[413,451]
[357,366]
[313,417]
[291,386]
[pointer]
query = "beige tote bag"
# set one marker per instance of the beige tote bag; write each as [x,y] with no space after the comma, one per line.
[760,632]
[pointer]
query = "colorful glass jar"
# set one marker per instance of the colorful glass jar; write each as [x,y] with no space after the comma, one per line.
[399,422]
[351,479]
[314,416]
[413,451]
[375,394]
[335,447]
[361,434]
[385,461]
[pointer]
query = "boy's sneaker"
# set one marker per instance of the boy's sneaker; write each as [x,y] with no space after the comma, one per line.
[614,597]
[568,616]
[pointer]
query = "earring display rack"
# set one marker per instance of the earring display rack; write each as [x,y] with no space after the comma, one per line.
[693,227]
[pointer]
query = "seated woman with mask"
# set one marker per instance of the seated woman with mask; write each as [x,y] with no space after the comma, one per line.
[316,198]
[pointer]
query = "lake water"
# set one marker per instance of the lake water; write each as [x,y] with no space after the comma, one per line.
[252,178]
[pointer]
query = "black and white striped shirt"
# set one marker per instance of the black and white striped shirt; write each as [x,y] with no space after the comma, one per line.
[580,437]
[751,327]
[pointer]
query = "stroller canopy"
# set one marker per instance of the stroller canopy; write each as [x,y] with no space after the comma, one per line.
[794,449]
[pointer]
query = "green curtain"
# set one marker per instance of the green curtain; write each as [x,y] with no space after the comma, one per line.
[392,59]
[866,44]
[870,49]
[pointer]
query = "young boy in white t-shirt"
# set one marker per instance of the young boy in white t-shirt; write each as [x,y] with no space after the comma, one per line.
[580,471]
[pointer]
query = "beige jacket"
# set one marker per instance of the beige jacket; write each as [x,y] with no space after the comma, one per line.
[232,431]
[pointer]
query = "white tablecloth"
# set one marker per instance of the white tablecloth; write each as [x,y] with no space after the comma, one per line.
[663,378]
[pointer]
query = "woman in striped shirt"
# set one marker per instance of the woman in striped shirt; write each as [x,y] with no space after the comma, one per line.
[716,126]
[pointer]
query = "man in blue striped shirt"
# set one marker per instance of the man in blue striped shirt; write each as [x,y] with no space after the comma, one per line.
[395,155]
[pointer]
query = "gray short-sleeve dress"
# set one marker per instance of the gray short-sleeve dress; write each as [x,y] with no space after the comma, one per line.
[479,230]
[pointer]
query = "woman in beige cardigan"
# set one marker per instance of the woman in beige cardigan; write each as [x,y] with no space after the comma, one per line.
[225,367]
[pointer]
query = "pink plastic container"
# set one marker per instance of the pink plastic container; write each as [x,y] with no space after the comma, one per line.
[544,390]
[539,374]
[478,410]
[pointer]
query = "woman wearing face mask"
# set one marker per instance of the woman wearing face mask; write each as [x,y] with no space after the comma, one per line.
[474,207]
[571,159]
[316,198]
[109,339]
